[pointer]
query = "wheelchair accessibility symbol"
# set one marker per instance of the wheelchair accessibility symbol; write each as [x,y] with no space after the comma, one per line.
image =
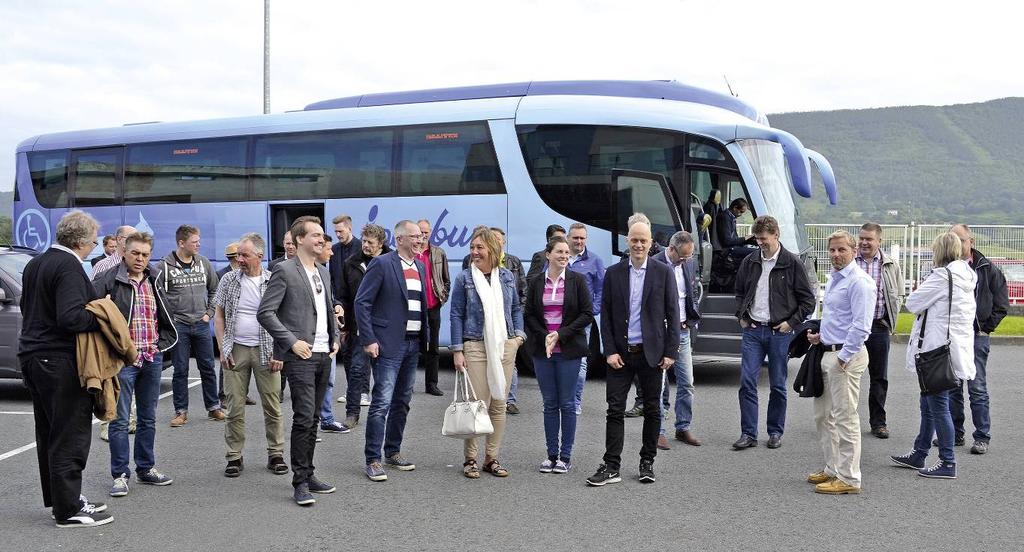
[32,230]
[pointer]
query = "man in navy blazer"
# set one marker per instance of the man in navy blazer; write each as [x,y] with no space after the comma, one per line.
[392,320]
[640,330]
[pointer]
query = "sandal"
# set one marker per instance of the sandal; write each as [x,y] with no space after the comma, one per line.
[494,468]
[470,469]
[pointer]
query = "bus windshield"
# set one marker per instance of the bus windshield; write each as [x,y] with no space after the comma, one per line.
[769,166]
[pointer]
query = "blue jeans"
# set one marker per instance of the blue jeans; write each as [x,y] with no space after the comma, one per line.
[194,339]
[394,374]
[936,419]
[760,341]
[144,383]
[357,373]
[326,409]
[977,389]
[684,386]
[582,380]
[514,387]
[557,377]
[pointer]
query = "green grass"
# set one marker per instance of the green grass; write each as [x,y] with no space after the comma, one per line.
[1011,325]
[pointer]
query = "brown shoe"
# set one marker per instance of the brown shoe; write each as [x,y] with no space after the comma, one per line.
[688,437]
[249,402]
[663,443]
[819,477]
[179,419]
[216,415]
[836,486]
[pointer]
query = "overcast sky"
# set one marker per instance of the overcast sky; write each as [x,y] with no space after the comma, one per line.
[76,64]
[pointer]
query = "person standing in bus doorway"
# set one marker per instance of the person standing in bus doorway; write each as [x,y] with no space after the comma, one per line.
[347,246]
[848,309]
[591,267]
[56,290]
[992,297]
[109,246]
[306,340]
[539,260]
[247,351]
[437,286]
[289,251]
[327,422]
[392,291]
[189,284]
[132,287]
[889,289]
[640,328]
[774,295]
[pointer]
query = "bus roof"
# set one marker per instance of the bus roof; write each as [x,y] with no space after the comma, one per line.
[657,89]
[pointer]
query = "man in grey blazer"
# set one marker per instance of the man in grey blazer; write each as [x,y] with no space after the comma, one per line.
[297,310]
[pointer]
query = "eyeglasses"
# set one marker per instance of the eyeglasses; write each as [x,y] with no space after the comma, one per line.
[319,284]
[95,243]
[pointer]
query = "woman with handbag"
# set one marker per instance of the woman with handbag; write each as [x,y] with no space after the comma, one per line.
[486,332]
[942,340]
[558,310]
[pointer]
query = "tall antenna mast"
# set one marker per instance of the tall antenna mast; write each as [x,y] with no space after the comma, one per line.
[266,56]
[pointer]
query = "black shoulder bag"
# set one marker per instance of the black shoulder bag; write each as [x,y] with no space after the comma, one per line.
[935,367]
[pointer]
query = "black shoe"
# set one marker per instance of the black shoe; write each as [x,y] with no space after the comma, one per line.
[604,476]
[234,468]
[958,441]
[744,442]
[980,447]
[87,517]
[635,412]
[316,486]
[433,390]
[881,432]
[276,465]
[511,409]
[302,496]
[646,471]
[774,441]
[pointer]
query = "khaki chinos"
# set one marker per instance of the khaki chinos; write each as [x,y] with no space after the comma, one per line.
[476,369]
[268,385]
[835,414]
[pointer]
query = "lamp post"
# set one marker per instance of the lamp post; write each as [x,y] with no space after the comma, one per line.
[266,56]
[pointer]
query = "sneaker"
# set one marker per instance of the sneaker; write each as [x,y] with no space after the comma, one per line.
[341,399]
[635,412]
[914,460]
[399,463]
[105,431]
[234,468]
[153,477]
[120,486]
[179,419]
[302,496]
[96,506]
[334,427]
[316,486]
[646,471]
[511,409]
[276,465]
[546,466]
[376,472]
[561,467]
[88,516]
[979,447]
[364,399]
[350,423]
[604,476]
[216,415]
[941,470]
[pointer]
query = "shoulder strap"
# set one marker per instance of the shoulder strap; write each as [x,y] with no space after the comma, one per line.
[949,310]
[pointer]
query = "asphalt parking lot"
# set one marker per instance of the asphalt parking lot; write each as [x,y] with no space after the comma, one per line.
[706,498]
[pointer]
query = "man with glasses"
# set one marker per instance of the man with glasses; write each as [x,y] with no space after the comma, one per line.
[392,291]
[297,310]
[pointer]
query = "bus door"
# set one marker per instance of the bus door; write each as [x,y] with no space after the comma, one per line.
[96,185]
[711,192]
[281,216]
[643,192]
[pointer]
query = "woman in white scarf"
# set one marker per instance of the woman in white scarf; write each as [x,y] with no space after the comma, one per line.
[487,330]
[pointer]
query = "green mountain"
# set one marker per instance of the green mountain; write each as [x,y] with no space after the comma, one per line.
[928,164]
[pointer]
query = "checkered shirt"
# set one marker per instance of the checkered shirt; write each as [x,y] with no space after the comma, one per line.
[874,269]
[229,290]
[143,326]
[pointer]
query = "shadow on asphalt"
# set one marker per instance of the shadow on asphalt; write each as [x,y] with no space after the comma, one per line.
[13,390]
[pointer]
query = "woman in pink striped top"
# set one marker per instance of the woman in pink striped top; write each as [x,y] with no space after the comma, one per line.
[558,310]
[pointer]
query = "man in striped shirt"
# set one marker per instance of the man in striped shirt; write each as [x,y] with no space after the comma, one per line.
[392,292]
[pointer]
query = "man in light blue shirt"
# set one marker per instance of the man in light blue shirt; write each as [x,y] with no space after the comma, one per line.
[845,325]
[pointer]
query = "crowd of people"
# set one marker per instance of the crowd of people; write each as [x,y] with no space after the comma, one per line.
[376,312]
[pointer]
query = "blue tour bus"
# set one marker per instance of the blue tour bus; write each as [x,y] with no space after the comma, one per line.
[520,156]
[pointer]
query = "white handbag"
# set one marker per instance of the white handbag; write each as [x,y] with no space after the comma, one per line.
[466,418]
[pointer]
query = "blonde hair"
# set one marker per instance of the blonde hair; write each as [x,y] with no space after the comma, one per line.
[843,235]
[946,248]
[491,243]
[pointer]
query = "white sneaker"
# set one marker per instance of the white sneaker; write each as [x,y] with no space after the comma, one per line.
[364,399]
[120,486]
[341,399]
[105,431]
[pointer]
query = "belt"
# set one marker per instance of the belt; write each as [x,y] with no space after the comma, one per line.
[638,348]
[832,348]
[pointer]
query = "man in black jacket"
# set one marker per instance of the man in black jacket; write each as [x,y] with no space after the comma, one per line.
[540,258]
[53,300]
[993,302]
[774,296]
[640,329]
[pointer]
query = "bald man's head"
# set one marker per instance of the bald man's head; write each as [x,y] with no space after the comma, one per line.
[122,235]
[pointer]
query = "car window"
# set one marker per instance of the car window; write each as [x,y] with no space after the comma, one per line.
[14,264]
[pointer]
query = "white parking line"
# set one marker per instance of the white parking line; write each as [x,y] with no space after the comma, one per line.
[32,445]
[14,412]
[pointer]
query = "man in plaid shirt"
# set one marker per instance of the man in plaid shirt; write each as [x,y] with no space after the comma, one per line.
[246,349]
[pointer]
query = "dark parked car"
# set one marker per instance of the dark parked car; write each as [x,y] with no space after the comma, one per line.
[12,265]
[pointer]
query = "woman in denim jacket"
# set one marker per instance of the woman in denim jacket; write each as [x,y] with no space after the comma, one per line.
[485,345]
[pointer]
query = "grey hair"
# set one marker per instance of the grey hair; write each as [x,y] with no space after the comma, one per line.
[680,239]
[400,227]
[76,229]
[124,231]
[638,217]
[577,226]
[257,242]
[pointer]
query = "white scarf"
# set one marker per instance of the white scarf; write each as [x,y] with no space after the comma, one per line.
[495,331]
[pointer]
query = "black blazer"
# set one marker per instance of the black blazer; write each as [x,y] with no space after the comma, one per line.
[659,315]
[577,315]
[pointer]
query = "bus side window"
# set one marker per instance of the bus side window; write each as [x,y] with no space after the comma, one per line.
[50,177]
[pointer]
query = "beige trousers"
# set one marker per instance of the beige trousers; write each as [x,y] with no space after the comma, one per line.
[835,414]
[476,368]
[236,388]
